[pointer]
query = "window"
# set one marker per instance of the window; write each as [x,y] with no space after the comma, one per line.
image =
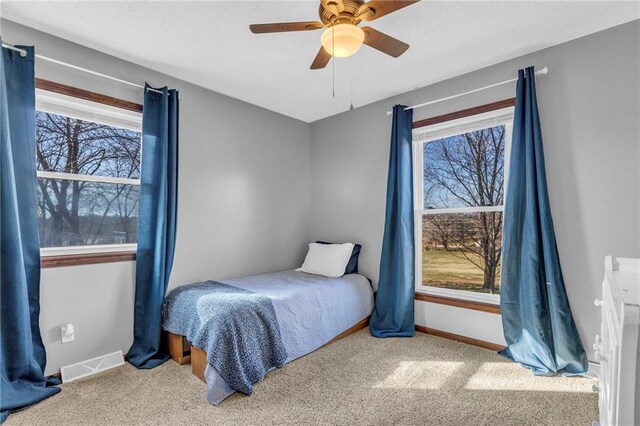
[459,184]
[88,167]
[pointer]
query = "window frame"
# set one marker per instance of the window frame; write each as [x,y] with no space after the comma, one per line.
[435,128]
[70,101]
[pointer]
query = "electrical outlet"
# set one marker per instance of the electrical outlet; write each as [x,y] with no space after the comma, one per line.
[67,333]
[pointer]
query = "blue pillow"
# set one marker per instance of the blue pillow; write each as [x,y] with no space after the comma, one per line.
[352,266]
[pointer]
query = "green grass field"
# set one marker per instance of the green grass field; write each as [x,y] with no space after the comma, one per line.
[452,270]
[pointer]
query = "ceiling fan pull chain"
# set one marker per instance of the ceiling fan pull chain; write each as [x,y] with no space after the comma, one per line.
[351,82]
[333,63]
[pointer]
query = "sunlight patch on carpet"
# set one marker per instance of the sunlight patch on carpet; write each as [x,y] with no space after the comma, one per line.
[420,375]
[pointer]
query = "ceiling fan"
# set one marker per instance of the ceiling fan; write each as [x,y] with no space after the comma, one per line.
[342,36]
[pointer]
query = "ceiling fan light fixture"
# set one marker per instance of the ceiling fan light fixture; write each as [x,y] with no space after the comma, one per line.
[345,38]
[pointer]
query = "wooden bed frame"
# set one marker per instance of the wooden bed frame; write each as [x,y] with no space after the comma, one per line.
[178,347]
[183,353]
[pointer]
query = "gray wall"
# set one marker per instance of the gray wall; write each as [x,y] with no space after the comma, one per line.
[589,106]
[244,200]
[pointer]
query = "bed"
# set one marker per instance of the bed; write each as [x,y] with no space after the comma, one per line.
[310,311]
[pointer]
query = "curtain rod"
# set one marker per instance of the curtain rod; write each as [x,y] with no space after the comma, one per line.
[23,53]
[543,71]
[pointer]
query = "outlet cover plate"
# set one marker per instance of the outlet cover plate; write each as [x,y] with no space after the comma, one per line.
[66,338]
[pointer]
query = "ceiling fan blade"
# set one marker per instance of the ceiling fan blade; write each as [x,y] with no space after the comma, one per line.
[321,60]
[333,6]
[280,27]
[378,8]
[384,43]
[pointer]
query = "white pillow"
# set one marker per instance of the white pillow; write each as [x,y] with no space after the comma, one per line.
[329,260]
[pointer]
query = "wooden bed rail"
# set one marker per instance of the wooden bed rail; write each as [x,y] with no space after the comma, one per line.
[198,363]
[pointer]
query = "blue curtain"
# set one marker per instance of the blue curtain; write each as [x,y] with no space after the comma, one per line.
[156,224]
[538,325]
[22,354]
[393,315]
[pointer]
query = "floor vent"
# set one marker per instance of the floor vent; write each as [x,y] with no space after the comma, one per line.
[91,366]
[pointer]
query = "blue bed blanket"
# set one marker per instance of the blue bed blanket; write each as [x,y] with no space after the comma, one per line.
[237,328]
[310,310]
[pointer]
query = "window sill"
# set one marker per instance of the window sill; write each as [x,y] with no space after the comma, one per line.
[459,303]
[75,259]
[465,295]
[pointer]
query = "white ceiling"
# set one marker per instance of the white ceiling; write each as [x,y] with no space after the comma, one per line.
[209,43]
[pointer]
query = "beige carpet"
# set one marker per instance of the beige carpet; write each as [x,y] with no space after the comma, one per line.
[357,380]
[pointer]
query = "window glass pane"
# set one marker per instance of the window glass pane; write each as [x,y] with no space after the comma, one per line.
[465,170]
[462,251]
[70,145]
[78,213]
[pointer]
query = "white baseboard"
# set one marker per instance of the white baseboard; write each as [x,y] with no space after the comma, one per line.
[594,370]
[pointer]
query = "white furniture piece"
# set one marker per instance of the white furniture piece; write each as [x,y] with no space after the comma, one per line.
[617,348]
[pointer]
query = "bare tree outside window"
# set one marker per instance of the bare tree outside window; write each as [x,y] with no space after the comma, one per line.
[74,210]
[464,186]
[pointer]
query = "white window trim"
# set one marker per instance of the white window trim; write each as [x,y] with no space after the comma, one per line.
[88,178]
[71,250]
[56,103]
[480,209]
[438,131]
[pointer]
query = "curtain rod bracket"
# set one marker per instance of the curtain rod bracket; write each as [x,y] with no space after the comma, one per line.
[22,52]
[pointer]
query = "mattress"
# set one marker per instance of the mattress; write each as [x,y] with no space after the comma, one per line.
[310,309]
